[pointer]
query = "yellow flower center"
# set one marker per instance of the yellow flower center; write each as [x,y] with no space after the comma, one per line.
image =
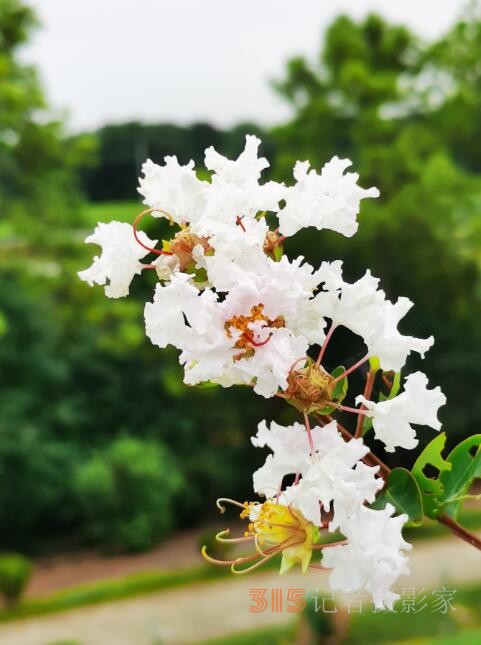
[246,341]
[276,525]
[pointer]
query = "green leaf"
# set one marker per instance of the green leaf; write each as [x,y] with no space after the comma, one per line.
[340,389]
[200,275]
[206,385]
[432,489]
[278,253]
[402,491]
[366,424]
[465,468]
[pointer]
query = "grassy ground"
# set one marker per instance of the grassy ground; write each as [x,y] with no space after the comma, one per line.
[268,636]
[108,590]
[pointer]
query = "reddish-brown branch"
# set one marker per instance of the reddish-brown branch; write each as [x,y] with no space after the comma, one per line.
[460,531]
[367,395]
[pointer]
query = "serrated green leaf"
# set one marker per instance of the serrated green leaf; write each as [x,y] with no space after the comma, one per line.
[465,468]
[432,489]
[402,491]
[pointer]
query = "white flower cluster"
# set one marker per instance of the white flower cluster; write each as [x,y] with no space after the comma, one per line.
[334,478]
[240,312]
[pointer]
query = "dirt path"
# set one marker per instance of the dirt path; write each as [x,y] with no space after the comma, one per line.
[197,612]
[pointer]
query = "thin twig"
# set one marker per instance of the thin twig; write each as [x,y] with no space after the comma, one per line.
[367,395]
[460,531]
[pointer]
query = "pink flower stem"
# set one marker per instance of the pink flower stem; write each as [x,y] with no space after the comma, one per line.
[325,344]
[351,369]
[135,226]
[346,408]
[309,435]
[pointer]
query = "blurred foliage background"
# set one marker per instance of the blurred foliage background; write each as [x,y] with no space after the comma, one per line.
[100,442]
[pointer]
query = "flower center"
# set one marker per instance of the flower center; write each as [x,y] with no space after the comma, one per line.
[247,341]
[183,244]
[275,524]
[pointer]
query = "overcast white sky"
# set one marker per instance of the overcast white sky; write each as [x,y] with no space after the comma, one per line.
[106,61]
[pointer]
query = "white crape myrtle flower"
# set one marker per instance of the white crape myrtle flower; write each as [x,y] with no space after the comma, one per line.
[391,419]
[374,556]
[173,188]
[327,200]
[363,308]
[284,288]
[334,474]
[241,339]
[120,259]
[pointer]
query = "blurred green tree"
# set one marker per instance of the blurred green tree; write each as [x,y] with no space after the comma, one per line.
[37,164]
[126,493]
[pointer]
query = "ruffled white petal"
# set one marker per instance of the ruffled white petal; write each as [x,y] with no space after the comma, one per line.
[120,259]
[173,188]
[363,308]
[328,200]
[391,419]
